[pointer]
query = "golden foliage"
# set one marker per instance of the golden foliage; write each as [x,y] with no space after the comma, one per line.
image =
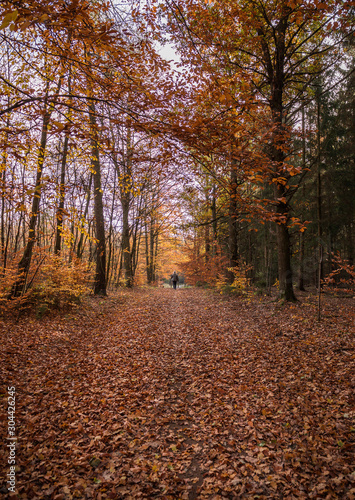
[61,284]
[51,283]
[241,284]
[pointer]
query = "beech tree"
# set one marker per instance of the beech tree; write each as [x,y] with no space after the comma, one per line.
[98,130]
[102,64]
[274,50]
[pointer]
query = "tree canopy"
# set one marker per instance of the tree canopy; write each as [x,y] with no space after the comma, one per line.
[110,153]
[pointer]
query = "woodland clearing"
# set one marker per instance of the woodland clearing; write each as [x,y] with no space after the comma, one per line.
[157,393]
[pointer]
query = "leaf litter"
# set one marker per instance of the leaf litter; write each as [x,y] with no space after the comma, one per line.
[153,393]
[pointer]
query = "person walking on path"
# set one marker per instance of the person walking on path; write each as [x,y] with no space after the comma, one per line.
[174,279]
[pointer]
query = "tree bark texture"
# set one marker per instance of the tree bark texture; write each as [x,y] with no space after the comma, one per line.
[275,69]
[19,286]
[100,274]
[233,254]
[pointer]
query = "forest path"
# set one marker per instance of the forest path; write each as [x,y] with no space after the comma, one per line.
[161,393]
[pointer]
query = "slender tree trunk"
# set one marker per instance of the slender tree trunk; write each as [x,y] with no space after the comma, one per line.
[19,286]
[301,271]
[301,242]
[3,195]
[151,249]
[4,245]
[60,210]
[135,236]
[126,247]
[207,243]
[100,274]
[214,221]
[319,209]
[156,255]
[126,203]
[232,222]
[147,264]
[207,233]
[350,243]
[137,242]
[73,240]
[80,247]
[110,243]
[18,232]
[268,250]
[120,266]
[7,240]
[20,222]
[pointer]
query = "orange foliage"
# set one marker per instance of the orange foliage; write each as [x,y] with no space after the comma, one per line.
[342,278]
[203,269]
[51,282]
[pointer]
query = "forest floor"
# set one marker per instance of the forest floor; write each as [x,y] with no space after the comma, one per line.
[157,393]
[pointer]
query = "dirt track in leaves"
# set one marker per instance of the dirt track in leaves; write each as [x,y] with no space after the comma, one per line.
[180,395]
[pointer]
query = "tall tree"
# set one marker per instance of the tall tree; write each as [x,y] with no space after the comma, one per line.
[19,286]
[100,274]
[275,50]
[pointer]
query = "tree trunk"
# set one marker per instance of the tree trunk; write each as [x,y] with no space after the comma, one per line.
[110,234]
[350,243]
[207,243]
[147,264]
[126,188]
[20,222]
[126,247]
[100,274]
[319,192]
[80,247]
[19,286]
[301,270]
[319,210]
[60,210]
[232,222]
[151,250]
[214,221]
[283,247]
[3,195]
[276,76]
[301,242]
[156,255]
